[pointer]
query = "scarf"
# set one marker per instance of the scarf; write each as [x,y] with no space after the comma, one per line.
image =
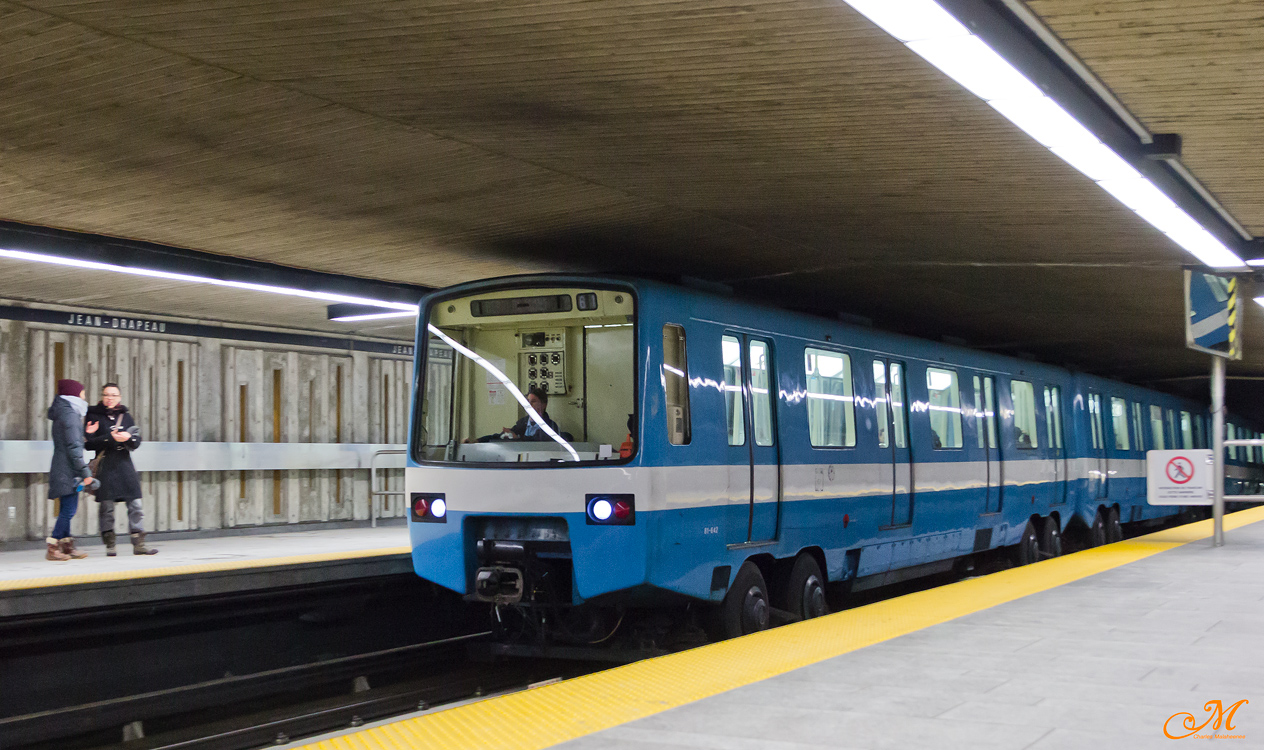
[80,406]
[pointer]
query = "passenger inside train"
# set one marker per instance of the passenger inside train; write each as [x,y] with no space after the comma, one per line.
[556,364]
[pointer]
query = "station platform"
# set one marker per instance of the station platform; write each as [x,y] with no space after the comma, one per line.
[31,585]
[1109,647]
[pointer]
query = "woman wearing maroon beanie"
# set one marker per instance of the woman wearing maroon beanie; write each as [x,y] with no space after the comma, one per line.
[69,472]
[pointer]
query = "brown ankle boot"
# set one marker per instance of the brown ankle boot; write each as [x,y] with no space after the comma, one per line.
[54,550]
[109,538]
[138,545]
[68,549]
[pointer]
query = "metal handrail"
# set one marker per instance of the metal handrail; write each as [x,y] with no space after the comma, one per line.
[374,492]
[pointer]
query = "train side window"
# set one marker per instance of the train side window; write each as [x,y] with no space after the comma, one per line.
[831,404]
[1119,422]
[1187,430]
[761,391]
[734,399]
[1023,395]
[1138,425]
[880,402]
[985,412]
[1231,433]
[899,420]
[676,384]
[1156,428]
[1053,415]
[945,408]
[1095,419]
[1173,436]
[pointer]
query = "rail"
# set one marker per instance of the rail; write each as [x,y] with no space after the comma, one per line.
[374,492]
[34,456]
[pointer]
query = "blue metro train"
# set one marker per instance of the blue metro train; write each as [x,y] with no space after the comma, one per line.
[683,447]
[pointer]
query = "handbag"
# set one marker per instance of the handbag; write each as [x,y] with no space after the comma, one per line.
[94,466]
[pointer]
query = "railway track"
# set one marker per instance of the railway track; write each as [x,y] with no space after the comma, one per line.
[278,705]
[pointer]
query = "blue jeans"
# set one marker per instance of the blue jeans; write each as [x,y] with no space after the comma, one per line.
[69,504]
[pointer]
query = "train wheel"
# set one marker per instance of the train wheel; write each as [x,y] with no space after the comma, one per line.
[745,609]
[1097,534]
[1050,538]
[1027,551]
[805,589]
[1114,529]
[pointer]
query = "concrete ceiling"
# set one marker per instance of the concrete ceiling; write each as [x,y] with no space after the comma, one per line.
[788,148]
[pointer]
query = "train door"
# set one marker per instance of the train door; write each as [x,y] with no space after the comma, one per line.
[890,402]
[754,462]
[1053,429]
[765,457]
[1097,463]
[985,429]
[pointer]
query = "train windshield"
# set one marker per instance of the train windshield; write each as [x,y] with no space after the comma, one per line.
[529,376]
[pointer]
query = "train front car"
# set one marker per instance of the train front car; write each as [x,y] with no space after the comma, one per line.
[524,449]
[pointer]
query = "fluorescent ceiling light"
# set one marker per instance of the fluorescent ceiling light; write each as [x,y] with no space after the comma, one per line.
[931,32]
[268,288]
[911,20]
[373,316]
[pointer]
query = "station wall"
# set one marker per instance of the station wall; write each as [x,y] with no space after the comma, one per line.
[209,389]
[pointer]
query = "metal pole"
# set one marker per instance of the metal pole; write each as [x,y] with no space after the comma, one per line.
[1218,447]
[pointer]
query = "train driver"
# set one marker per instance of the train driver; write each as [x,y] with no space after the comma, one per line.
[527,428]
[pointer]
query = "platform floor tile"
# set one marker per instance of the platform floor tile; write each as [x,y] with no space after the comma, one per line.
[1102,661]
[29,569]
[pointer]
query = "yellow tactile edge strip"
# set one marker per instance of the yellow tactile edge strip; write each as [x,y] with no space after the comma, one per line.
[563,711]
[26,584]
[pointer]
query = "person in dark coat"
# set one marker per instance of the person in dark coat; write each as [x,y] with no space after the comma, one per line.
[527,428]
[113,434]
[69,473]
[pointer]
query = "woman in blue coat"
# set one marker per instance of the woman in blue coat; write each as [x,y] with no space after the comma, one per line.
[69,472]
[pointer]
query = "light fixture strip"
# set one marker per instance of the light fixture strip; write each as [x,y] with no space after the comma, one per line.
[267,288]
[938,37]
[373,316]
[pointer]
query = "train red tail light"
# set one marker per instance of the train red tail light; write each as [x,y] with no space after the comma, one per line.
[429,507]
[610,510]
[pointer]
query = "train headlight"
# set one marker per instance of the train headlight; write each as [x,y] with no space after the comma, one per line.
[610,510]
[429,507]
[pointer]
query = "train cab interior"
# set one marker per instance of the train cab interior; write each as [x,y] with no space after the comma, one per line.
[489,352]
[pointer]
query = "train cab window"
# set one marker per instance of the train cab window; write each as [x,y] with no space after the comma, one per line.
[676,384]
[1119,423]
[1053,415]
[985,412]
[761,391]
[1138,426]
[528,376]
[1156,429]
[1023,395]
[1095,420]
[945,408]
[831,404]
[734,401]
[1187,430]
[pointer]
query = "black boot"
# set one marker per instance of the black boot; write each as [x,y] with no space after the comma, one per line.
[138,545]
[109,538]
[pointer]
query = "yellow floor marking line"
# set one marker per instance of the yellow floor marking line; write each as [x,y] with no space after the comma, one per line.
[545,716]
[180,570]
